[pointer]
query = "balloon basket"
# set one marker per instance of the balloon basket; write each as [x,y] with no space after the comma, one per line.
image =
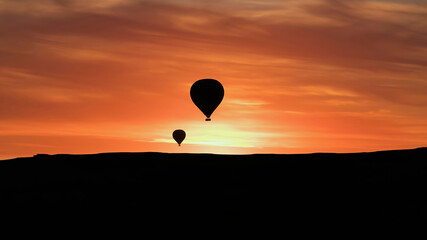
[207,119]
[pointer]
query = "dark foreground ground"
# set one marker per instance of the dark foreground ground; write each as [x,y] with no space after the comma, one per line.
[373,187]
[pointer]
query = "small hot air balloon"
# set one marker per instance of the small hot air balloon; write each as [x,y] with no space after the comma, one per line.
[179,136]
[207,94]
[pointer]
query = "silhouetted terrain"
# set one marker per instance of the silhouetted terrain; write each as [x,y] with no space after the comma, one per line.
[373,187]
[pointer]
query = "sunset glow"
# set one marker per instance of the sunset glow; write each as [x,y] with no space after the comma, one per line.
[83,76]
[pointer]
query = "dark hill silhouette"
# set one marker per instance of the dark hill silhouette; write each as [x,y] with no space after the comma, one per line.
[386,186]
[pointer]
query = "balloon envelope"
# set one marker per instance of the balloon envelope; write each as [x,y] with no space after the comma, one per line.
[179,136]
[207,94]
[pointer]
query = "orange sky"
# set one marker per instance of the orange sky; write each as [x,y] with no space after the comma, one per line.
[80,76]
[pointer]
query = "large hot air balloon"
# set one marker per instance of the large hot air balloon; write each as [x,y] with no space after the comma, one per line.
[207,94]
[179,136]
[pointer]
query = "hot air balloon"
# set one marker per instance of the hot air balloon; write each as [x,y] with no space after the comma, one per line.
[207,94]
[179,136]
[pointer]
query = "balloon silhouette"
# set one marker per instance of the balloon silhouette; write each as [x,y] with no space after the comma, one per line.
[207,94]
[179,136]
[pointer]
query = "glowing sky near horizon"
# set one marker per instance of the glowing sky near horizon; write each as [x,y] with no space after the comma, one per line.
[86,76]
